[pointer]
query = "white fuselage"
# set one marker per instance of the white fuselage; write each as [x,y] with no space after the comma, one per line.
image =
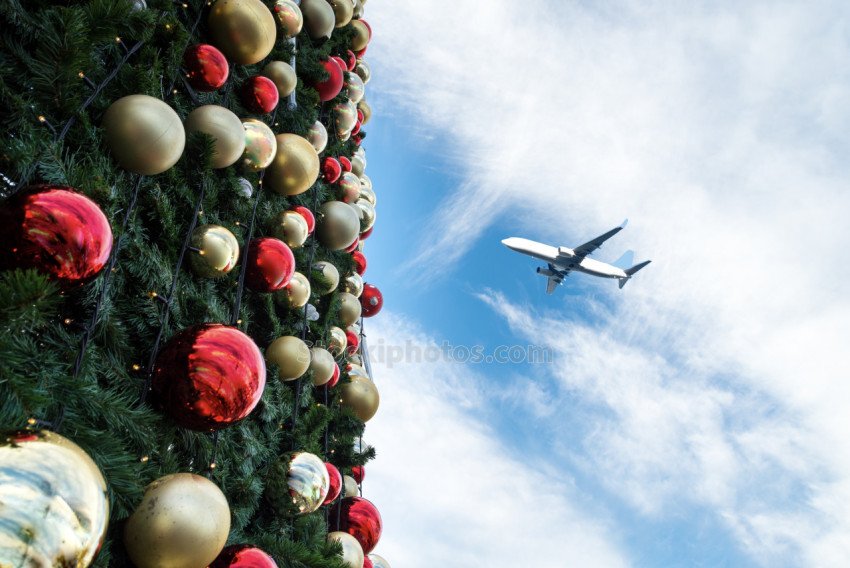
[564,258]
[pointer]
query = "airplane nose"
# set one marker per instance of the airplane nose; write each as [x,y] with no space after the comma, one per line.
[509,242]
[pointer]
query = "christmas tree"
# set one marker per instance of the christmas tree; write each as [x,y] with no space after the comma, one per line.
[184,208]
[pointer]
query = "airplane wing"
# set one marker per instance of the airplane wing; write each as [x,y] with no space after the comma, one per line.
[590,246]
[555,278]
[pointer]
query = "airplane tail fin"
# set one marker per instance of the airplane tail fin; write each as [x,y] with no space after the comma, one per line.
[626,260]
[631,272]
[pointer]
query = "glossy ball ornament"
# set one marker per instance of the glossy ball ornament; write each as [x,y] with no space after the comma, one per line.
[144,134]
[209,376]
[335,377]
[325,277]
[348,189]
[355,370]
[224,128]
[270,265]
[244,187]
[360,263]
[366,181]
[349,487]
[354,132]
[206,67]
[354,87]
[359,116]
[282,75]
[296,294]
[361,396]
[352,552]
[335,483]
[359,518]
[349,308]
[59,232]
[362,35]
[54,502]
[366,234]
[260,145]
[289,17]
[182,522]
[372,300]
[217,251]
[353,284]
[368,194]
[343,12]
[345,117]
[291,228]
[359,8]
[367,563]
[318,136]
[346,163]
[308,481]
[368,215]
[243,556]
[329,88]
[364,107]
[322,364]
[353,246]
[353,342]
[291,355]
[319,19]
[358,163]
[338,224]
[308,217]
[358,473]
[331,169]
[259,94]
[350,60]
[378,561]
[337,341]
[295,167]
[243,29]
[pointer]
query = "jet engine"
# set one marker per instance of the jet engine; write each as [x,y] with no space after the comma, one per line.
[546,272]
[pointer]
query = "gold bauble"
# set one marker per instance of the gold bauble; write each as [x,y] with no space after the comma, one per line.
[289,17]
[182,522]
[353,284]
[343,12]
[366,181]
[322,364]
[367,214]
[144,134]
[318,136]
[361,396]
[378,561]
[325,277]
[355,359]
[337,224]
[337,341]
[348,187]
[291,228]
[260,145]
[224,128]
[282,75]
[364,72]
[217,251]
[367,193]
[53,502]
[365,109]
[345,117]
[355,370]
[296,294]
[319,18]
[349,485]
[349,308]
[359,8]
[352,552]
[354,87]
[295,167]
[358,165]
[244,30]
[361,36]
[291,355]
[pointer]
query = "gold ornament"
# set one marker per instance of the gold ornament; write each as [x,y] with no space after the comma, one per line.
[348,187]
[337,341]
[260,145]
[289,17]
[352,552]
[350,488]
[296,294]
[361,396]
[308,481]
[366,181]
[378,561]
[144,134]
[291,228]
[224,128]
[325,277]
[53,502]
[349,308]
[364,72]
[361,36]
[345,117]
[319,18]
[182,522]
[355,370]
[322,365]
[295,167]
[291,355]
[282,75]
[358,165]
[337,224]
[217,251]
[365,109]
[367,193]
[359,6]
[367,214]
[318,136]
[343,12]
[244,30]
[355,359]
[354,87]
[353,285]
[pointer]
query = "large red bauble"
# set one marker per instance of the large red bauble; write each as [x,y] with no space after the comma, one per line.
[336,483]
[209,376]
[371,300]
[331,169]
[353,342]
[358,473]
[59,232]
[346,163]
[335,377]
[206,67]
[359,262]
[365,234]
[243,556]
[308,216]
[359,518]
[260,94]
[330,87]
[270,265]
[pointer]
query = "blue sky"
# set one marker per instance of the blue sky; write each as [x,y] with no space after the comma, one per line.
[696,418]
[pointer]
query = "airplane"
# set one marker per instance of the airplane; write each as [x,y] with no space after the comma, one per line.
[563,260]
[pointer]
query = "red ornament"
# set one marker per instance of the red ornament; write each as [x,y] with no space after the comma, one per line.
[353,342]
[336,483]
[346,163]
[353,246]
[359,518]
[368,27]
[342,64]
[243,556]
[358,473]
[367,563]
[351,60]
[357,138]
[360,116]
[330,87]
[209,376]
[362,52]
[356,129]
[59,232]
[260,95]
[206,67]
[271,265]
[331,169]
[335,377]
[308,216]
[365,234]
[359,262]
[371,300]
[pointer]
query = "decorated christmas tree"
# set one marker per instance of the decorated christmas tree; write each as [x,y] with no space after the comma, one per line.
[184,381]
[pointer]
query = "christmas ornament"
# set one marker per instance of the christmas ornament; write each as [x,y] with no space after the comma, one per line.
[296,294]
[345,163]
[352,552]
[353,246]
[318,136]
[335,483]
[359,116]
[362,35]
[337,341]
[359,262]
[260,145]
[365,234]
[343,12]
[353,284]
[353,342]
[209,376]
[355,328]
[359,518]
[329,88]
[245,187]
[358,164]
[337,225]
[295,167]
[367,563]
[363,105]
[350,60]
[361,396]
[356,370]
[291,355]
[144,134]
[331,169]
[215,253]
[345,117]
[378,561]
[372,300]
[319,19]
[335,377]
[291,228]
[325,277]
[311,312]
[224,128]
[206,67]
[308,217]
[243,29]
[358,8]
[366,181]
[349,308]
[354,132]
[308,481]
[322,365]
[289,17]
[349,486]
[354,87]
[270,265]
[57,231]
[367,214]
[259,94]
[139,5]
[358,473]
[342,65]
[243,556]
[367,193]
[53,501]
[348,189]
[182,522]
[282,75]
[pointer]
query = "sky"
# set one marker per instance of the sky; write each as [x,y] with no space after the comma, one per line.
[699,416]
